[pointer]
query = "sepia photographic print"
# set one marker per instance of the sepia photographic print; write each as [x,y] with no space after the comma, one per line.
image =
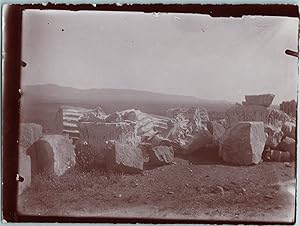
[157,116]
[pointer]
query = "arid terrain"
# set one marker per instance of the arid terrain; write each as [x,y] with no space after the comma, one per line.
[196,188]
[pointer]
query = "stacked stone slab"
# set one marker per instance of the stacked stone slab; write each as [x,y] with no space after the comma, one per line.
[243,144]
[29,134]
[277,124]
[95,116]
[256,113]
[67,118]
[52,154]
[126,129]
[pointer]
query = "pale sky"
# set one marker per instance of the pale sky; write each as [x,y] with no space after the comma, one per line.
[186,54]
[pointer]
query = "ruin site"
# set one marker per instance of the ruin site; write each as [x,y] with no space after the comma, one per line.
[187,163]
[158,116]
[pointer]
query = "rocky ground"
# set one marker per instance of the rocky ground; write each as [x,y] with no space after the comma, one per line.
[198,187]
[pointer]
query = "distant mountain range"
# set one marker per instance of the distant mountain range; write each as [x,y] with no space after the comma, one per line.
[115,99]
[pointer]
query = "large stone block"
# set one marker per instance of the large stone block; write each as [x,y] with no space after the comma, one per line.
[289,145]
[275,136]
[289,129]
[24,170]
[52,154]
[143,122]
[190,140]
[256,113]
[289,107]
[263,100]
[97,134]
[29,133]
[160,155]
[217,131]
[276,156]
[243,144]
[193,114]
[189,129]
[95,115]
[124,157]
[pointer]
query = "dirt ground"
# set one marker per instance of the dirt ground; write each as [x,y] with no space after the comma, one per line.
[196,187]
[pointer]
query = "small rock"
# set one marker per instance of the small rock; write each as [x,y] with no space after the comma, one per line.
[191,171]
[278,206]
[118,195]
[287,164]
[175,163]
[170,192]
[220,189]
[187,185]
[268,196]
[243,190]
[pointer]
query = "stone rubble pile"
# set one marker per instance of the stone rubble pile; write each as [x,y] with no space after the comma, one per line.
[277,125]
[131,141]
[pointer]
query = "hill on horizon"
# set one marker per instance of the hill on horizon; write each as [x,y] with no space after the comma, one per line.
[115,99]
[40,103]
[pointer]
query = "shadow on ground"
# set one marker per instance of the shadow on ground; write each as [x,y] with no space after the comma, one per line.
[208,156]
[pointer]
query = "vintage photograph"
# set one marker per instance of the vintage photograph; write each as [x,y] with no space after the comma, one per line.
[174,116]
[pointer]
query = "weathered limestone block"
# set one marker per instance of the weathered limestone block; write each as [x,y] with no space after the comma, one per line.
[289,145]
[256,113]
[161,155]
[243,144]
[275,136]
[276,156]
[97,134]
[143,123]
[29,133]
[190,140]
[189,130]
[289,129]
[217,131]
[52,154]
[197,115]
[24,170]
[289,107]
[96,115]
[114,117]
[263,100]
[124,157]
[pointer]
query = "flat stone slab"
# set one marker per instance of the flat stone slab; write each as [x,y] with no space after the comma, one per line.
[263,100]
